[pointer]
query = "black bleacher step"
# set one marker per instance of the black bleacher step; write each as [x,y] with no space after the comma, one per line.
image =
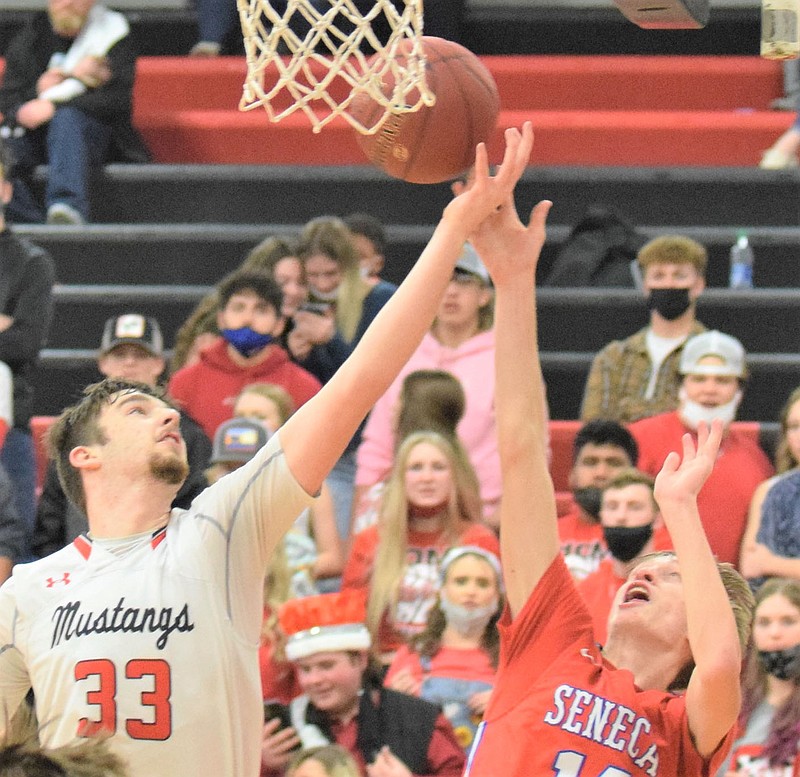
[199,254]
[766,320]
[262,194]
[495,28]
[63,374]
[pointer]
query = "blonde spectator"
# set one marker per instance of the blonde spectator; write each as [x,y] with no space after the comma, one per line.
[431,503]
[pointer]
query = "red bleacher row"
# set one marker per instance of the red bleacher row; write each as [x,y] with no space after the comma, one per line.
[562,434]
[587,110]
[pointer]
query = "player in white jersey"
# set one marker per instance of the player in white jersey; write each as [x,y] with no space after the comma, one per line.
[148,626]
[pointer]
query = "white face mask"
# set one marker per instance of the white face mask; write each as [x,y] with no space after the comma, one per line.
[324,296]
[467,620]
[693,413]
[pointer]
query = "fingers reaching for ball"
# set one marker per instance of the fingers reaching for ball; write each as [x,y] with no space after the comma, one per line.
[487,194]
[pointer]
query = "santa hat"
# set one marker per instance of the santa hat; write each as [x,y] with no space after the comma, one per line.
[324,623]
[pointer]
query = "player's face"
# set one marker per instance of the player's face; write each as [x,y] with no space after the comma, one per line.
[428,477]
[463,299]
[252,405]
[246,308]
[332,680]
[288,274]
[668,275]
[471,582]
[323,273]
[710,390]
[369,259]
[596,465]
[143,437]
[793,430]
[776,625]
[651,601]
[131,362]
[631,505]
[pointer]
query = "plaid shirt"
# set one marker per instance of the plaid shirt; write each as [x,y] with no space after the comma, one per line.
[619,376]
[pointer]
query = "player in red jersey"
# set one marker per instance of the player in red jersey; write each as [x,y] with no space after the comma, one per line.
[563,706]
[148,628]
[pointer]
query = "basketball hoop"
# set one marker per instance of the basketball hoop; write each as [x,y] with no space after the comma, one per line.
[321,68]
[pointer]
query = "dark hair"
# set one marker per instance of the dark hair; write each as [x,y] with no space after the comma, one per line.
[430,400]
[602,431]
[79,425]
[257,281]
[370,227]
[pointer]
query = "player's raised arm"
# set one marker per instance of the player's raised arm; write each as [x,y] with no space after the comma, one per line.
[315,436]
[528,534]
[712,696]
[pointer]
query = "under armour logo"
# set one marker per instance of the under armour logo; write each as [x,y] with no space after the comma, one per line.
[51,581]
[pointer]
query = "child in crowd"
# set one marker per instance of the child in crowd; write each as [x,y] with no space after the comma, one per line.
[453,662]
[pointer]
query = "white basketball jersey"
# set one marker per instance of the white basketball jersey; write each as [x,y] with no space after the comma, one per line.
[157,645]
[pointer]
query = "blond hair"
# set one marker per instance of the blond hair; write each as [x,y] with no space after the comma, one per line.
[673,249]
[463,509]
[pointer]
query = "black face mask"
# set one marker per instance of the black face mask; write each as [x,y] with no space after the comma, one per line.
[669,303]
[626,542]
[589,500]
[783,664]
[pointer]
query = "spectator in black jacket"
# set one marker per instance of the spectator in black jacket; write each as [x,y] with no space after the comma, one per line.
[131,349]
[66,101]
[27,275]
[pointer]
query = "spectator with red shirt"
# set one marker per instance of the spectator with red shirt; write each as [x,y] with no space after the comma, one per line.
[601,449]
[431,503]
[250,321]
[713,368]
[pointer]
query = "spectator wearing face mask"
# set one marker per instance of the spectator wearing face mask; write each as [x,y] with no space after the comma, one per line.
[713,368]
[769,723]
[632,528]
[250,322]
[601,450]
[638,377]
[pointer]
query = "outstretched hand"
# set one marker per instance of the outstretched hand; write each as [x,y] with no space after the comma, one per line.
[682,476]
[506,245]
[487,193]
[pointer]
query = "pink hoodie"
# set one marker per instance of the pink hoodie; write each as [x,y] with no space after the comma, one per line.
[473,364]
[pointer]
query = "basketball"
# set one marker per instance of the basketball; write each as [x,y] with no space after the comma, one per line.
[436,143]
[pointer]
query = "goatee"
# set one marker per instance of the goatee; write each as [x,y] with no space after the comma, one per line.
[169,469]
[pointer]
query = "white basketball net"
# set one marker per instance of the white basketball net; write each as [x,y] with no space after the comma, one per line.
[322,72]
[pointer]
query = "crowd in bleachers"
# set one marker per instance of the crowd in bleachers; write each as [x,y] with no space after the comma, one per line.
[388,590]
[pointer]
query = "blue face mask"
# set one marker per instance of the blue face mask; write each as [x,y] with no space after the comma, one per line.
[246,341]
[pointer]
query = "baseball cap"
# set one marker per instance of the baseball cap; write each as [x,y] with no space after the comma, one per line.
[470,262]
[238,440]
[132,328]
[325,623]
[727,349]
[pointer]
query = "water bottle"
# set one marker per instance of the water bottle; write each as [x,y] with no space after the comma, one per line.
[741,263]
[780,38]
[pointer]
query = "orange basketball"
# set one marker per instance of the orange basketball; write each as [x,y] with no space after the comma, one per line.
[436,143]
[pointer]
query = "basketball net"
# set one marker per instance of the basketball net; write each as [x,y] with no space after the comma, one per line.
[322,72]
